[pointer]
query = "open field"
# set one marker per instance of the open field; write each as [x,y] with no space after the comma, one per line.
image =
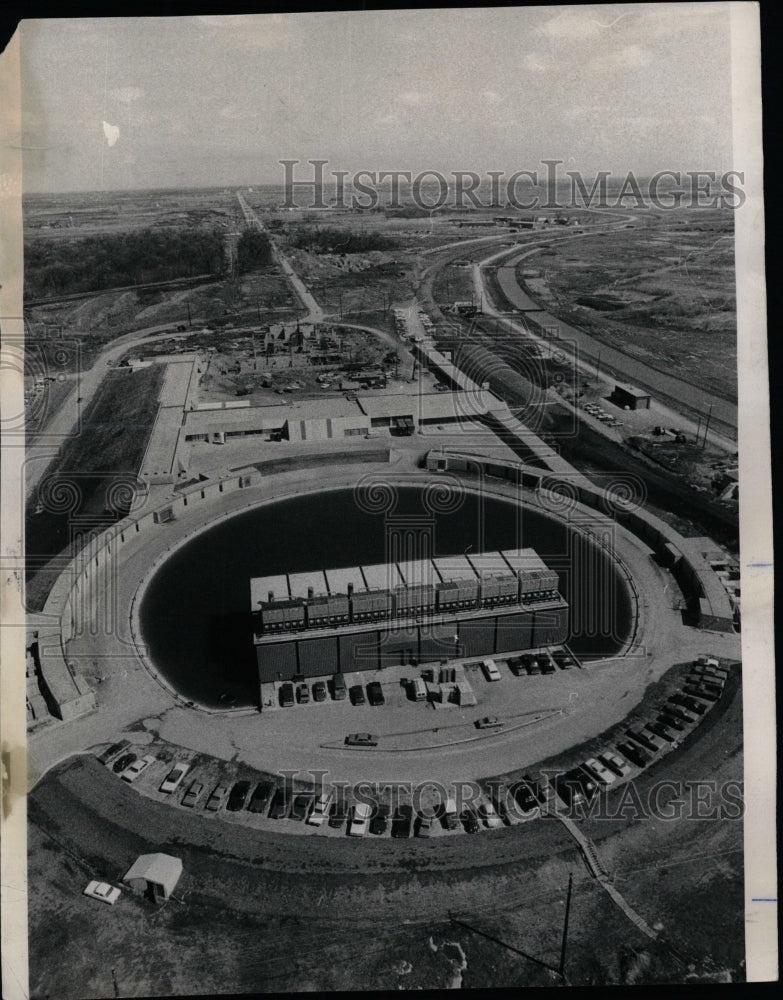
[666,296]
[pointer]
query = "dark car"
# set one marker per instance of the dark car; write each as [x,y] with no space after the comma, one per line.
[357,694]
[375,693]
[691,708]
[470,820]
[339,688]
[525,798]
[533,667]
[575,788]
[281,803]
[193,794]
[361,740]
[319,691]
[380,821]
[303,694]
[662,730]
[301,805]
[402,822]
[547,665]
[338,814]
[237,796]
[515,665]
[286,695]
[635,754]
[703,691]
[122,762]
[563,660]
[665,719]
[259,800]
[112,751]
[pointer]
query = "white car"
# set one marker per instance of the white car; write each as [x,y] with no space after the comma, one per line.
[488,813]
[491,671]
[103,891]
[321,808]
[617,764]
[598,771]
[134,770]
[360,820]
[173,779]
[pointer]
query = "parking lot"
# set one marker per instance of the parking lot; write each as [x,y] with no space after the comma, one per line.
[313,804]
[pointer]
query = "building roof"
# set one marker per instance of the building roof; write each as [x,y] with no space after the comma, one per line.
[299,583]
[632,390]
[162,869]
[454,568]
[338,580]
[417,572]
[489,564]
[521,560]
[382,576]
[261,585]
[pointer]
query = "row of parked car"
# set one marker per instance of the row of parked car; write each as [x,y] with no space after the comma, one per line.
[600,414]
[703,686]
[290,694]
[541,663]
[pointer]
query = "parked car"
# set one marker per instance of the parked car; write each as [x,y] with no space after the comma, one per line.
[424,822]
[490,669]
[684,710]
[301,805]
[599,771]
[103,891]
[402,822]
[661,730]
[678,712]
[375,693]
[281,803]
[647,738]
[173,779]
[615,763]
[123,762]
[216,799]
[563,660]
[380,821]
[286,695]
[237,796]
[320,808]
[338,814]
[259,800]
[357,695]
[534,667]
[469,820]
[575,787]
[361,740]
[526,805]
[112,751]
[135,769]
[319,691]
[547,665]
[193,794]
[360,820]
[669,721]
[488,722]
[339,687]
[636,754]
[489,814]
[303,694]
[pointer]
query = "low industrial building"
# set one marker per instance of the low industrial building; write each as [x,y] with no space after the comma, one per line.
[154,875]
[631,398]
[369,617]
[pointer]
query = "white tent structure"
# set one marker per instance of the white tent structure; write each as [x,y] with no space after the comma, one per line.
[156,874]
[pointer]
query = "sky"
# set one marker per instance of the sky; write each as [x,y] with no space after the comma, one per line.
[220,100]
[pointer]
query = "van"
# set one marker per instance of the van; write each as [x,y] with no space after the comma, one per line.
[340,689]
[360,820]
[419,689]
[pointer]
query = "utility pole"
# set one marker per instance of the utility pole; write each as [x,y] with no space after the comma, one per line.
[707,427]
[565,926]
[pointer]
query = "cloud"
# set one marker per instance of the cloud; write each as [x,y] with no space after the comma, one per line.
[535,63]
[111,132]
[571,25]
[126,95]
[628,57]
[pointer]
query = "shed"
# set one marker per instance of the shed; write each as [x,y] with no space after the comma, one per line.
[630,396]
[155,875]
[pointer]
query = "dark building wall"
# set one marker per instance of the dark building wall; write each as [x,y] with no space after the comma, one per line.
[276,661]
[359,652]
[513,632]
[317,656]
[436,642]
[398,646]
[550,627]
[477,638]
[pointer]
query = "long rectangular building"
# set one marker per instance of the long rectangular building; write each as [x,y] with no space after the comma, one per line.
[366,617]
